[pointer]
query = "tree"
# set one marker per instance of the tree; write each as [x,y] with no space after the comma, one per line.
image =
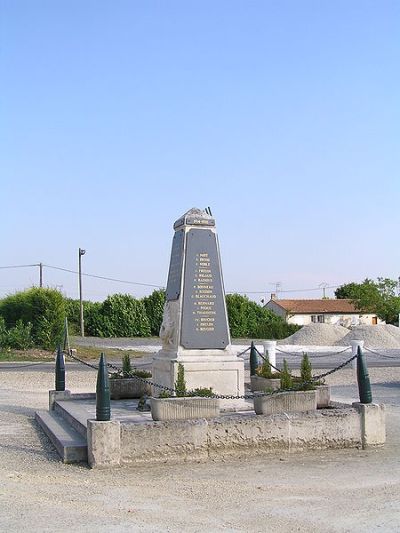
[154,305]
[375,297]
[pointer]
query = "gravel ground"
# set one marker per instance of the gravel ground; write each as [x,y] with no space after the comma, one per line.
[327,491]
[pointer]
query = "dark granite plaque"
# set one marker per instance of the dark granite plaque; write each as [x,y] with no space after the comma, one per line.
[175,267]
[204,321]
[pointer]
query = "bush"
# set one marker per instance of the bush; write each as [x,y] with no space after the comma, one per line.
[250,320]
[42,309]
[154,305]
[19,337]
[120,315]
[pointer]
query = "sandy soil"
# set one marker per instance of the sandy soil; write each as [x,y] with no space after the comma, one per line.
[327,491]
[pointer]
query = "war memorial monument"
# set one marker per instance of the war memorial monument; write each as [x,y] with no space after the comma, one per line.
[195,330]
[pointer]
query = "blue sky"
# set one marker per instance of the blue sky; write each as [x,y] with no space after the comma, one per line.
[117,117]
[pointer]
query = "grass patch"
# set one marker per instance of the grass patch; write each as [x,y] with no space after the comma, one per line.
[86,353]
[27,355]
[90,353]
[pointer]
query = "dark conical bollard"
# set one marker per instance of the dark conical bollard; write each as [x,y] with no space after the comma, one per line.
[253,360]
[103,409]
[60,370]
[364,385]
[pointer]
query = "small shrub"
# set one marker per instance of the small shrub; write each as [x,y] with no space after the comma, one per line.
[306,373]
[180,384]
[265,371]
[126,365]
[286,377]
[203,392]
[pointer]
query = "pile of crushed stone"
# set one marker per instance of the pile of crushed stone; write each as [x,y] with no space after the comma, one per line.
[379,336]
[317,335]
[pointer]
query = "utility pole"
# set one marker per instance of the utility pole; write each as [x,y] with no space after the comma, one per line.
[40,275]
[81,252]
[323,286]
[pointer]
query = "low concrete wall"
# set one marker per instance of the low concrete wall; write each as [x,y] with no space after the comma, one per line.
[122,443]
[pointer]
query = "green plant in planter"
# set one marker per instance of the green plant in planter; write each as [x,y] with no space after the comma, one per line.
[286,377]
[306,374]
[128,371]
[203,392]
[180,384]
[126,365]
[181,390]
[265,370]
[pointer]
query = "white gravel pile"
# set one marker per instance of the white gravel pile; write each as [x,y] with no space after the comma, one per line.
[317,335]
[378,336]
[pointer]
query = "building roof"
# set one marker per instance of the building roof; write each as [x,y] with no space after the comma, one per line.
[317,306]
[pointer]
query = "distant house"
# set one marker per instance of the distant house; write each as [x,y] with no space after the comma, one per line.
[325,311]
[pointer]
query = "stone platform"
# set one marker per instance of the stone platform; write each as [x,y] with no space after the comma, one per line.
[132,437]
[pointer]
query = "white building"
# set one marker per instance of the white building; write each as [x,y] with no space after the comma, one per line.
[301,312]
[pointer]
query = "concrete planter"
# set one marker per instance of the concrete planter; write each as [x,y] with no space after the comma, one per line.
[184,408]
[259,383]
[323,396]
[286,402]
[128,388]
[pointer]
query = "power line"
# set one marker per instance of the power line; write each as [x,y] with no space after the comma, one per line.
[105,278]
[157,286]
[20,266]
[288,290]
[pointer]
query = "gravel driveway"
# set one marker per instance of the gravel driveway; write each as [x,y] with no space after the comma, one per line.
[327,491]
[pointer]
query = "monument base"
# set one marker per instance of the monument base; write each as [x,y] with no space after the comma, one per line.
[224,373]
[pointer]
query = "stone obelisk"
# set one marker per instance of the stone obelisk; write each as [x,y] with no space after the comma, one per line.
[195,329]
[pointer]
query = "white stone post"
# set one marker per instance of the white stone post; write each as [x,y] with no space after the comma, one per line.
[354,347]
[270,350]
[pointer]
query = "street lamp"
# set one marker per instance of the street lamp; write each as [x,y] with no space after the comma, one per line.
[81,252]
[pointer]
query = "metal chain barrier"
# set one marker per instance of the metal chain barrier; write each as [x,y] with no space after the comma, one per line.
[225,396]
[381,354]
[314,356]
[265,359]
[110,365]
[320,376]
[244,351]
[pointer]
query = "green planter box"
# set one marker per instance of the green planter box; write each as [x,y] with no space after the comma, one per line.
[184,408]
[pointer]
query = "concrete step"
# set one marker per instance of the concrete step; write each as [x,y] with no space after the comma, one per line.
[70,445]
[74,414]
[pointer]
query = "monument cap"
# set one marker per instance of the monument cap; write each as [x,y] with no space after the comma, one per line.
[195,217]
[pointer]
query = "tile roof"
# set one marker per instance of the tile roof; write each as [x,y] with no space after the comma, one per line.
[317,306]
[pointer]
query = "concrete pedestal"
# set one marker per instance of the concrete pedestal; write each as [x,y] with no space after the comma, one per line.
[224,373]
